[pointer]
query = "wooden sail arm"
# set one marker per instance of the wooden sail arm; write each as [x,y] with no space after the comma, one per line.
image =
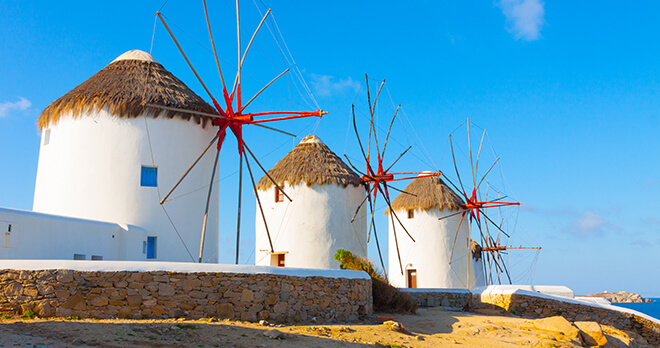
[291,115]
[377,178]
[488,204]
[390,176]
[504,247]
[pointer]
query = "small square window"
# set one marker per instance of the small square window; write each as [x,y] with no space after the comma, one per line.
[279,197]
[151,247]
[47,136]
[97,257]
[411,213]
[79,256]
[277,260]
[149,176]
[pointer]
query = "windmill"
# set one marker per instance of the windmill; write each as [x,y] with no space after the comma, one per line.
[232,115]
[475,211]
[377,177]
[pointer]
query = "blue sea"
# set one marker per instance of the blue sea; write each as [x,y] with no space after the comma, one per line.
[652,309]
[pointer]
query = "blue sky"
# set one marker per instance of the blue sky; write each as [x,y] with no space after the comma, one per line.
[568,94]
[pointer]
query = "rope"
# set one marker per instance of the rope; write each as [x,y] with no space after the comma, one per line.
[153,162]
[153,34]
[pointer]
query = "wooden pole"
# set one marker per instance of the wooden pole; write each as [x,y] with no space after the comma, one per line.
[261,209]
[215,53]
[206,211]
[184,55]
[242,59]
[263,89]
[451,256]
[238,219]
[188,170]
[266,172]
[380,254]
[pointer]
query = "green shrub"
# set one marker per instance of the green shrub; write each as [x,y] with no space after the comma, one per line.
[29,314]
[386,297]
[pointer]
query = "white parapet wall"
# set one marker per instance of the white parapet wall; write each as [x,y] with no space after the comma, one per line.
[30,235]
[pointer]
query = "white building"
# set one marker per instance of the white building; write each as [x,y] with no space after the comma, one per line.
[308,231]
[106,156]
[428,262]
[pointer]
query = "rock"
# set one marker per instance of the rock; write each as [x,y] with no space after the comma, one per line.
[13,290]
[165,290]
[280,307]
[559,325]
[65,276]
[43,309]
[247,296]
[134,300]
[76,301]
[78,342]
[263,323]
[396,326]
[99,301]
[178,313]
[591,333]
[225,310]
[275,334]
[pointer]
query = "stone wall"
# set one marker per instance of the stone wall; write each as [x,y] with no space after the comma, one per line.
[164,294]
[454,298]
[530,306]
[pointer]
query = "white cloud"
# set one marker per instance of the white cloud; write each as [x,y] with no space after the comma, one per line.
[590,224]
[21,104]
[326,86]
[524,18]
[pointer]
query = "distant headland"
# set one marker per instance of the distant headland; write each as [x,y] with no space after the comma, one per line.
[621,297]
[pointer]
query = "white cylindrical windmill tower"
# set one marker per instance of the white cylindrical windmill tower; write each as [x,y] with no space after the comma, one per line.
[105,155]
[308,231]
[425,210]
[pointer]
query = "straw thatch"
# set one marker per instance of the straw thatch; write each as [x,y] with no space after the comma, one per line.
[123,88]
[429,193]
[310,162]
[476,250]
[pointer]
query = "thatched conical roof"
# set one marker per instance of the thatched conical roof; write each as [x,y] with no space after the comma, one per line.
[430,192]
[310,162]
[123,88]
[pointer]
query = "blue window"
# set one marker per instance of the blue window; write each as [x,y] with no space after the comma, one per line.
[149,176]
[151,247]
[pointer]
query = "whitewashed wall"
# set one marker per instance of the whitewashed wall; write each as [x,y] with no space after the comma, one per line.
[42,236]
[313,226]
[90,169]
[430,252]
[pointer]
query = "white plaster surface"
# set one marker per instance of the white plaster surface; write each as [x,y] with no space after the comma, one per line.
[431,251]
[43,236]
[182,267]
[596,300]
[551,290]
[313,226]
[136,55]
[91,169]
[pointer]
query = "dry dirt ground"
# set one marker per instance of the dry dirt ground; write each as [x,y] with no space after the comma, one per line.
[430,327]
